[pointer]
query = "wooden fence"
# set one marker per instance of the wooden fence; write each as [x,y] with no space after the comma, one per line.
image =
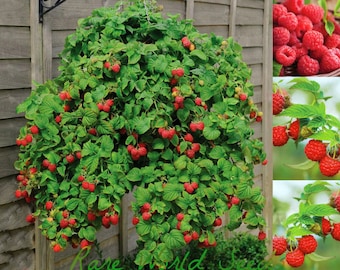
[29,52]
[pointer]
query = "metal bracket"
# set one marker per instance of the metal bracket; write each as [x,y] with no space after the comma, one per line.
[45,8]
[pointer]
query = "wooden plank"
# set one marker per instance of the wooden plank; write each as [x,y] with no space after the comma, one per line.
[9,100]
[15,74]
[15,214]
[21,259]
[15,12]
[219,30]
[222,2]
[10,130]
[173,7]
[211,14]
[249,35]
[189,12]
[252,55]
[8,155]
[17,239]
[257,74]
[249,16]
[58,41]
[8,187]
[251,3]
[15,42]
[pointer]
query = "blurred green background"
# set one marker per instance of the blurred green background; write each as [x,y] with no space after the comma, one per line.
[291,153]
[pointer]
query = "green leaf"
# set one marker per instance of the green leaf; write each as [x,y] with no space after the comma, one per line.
[90,233]
[174,239]
[143,228]
[142,195]
[319,258]
[306,165]
[300,111]
[295,232]
[181,163]
[103,202]
[218,152]
[134,175]
[143,257]
[142,125]
[211,133]
[319,210]
[172,191]
[89,117]
[72,204]
[200,54]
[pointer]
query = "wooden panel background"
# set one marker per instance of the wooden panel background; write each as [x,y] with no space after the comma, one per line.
[29,52]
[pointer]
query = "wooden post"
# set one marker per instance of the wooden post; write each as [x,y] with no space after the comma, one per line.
[232,20]
[189,12]
[123,227]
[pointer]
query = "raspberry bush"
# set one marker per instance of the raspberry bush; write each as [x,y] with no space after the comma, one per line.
[144,104]
[307,123]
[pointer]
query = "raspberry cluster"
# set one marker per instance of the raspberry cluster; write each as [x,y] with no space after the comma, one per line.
[301,43]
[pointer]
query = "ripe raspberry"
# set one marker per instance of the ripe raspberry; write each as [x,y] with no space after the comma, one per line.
[329,62]
[336,231]
[304,25]
[300,50]
[280,136]
[307,244]
[278,10]
[318,53]
[329,166]
[332,41]
[315,150]
[326,226]
[320,27]
[335,200]
[261,235]
[312,40]
[313,12]
[307,66]
[293,39]
[279,245]
[278,103]
[285,55]
[57,248]
[293,5]
[288,21]
[295,258]
[294,129]
[281,36]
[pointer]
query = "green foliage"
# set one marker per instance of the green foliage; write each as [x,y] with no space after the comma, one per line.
[126,58]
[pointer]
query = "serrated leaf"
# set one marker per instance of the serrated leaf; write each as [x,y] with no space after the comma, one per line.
[143,228]
[211,133]
[218,152]
[142,196]
[144,257]
[142,125]
[295,232]
[172,192]
[319,210]
[181,163]
[134,175]
[103,202]
[301,111]
[174,239]
[72,204]
[89,117]
[200,54]
[90,233]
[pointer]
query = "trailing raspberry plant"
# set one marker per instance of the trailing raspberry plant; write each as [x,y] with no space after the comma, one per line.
[312,222]
[149,105]
[309,124]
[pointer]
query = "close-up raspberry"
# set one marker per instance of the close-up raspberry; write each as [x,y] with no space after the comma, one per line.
[329,62]
[281,36]
[279,245]
[285,55]
[318,53]
[335,200]
[326,226]
[293,39]
[312,40]
[307,66]
[304,25]
[300,50]
[278,102]
[288,20]
[332,41]
[294,6]
[313,12]
[307,244]
[294,129]
[280,136]
[295,258]
[315,150]
[336,231]
[329,166]
[278,10]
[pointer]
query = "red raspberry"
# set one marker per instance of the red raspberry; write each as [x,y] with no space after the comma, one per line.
[285,55]
[313,12]
[294,129]
[335,200]
[312,40]
[281,36]
[300,50]
[318,53]
[278,103]
[288,21]
[329,62]
[315,150]
[307,244]
[326,226]
[307,66]
[279,245]
[304,25]
[329,166]
[293,5]
[295,258]
[293,39]
[320,27]
[336,231]
[280,136]
[278,10]
[332,41]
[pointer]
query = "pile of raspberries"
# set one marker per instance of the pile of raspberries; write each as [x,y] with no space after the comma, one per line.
[300,42]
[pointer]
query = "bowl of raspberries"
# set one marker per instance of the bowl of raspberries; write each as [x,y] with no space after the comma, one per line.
[306,40]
